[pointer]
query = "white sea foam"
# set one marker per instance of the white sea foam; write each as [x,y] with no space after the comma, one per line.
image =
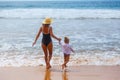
[60,13]
[18,59]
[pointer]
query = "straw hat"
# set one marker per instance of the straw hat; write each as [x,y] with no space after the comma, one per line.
[47,21]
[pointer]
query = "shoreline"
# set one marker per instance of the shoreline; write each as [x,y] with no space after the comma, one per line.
[83,72]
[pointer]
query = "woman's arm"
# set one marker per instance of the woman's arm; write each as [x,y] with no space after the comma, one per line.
[51,33]
[37,36]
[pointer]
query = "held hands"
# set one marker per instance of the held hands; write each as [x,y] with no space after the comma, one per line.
[59,39]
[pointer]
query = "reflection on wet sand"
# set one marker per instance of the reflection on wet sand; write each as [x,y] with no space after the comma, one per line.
[64,76]
[47,75]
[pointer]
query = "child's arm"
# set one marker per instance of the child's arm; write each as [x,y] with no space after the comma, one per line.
[72,50]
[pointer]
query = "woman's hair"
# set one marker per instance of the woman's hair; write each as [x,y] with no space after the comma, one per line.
[66,39]
[46,25]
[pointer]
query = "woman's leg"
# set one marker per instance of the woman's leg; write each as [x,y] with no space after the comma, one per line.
[45,54]
[50,49]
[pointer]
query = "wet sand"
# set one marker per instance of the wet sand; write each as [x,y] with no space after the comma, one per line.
[56,73]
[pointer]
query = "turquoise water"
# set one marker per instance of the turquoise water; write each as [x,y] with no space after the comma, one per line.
[61,4]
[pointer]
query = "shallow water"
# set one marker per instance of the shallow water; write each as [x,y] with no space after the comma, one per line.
[95,37]
[95,41]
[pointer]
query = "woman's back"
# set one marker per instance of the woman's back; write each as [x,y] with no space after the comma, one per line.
[46,29]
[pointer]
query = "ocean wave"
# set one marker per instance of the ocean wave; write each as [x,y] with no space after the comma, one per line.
[59,14]
[80,18]
[18,59]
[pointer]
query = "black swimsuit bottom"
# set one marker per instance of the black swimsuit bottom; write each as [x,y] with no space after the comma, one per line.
[46,39]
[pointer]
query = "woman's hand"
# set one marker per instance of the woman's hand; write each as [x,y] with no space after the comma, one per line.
[59,39]
[33,43]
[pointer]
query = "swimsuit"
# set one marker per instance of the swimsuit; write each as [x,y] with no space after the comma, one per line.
[46,39]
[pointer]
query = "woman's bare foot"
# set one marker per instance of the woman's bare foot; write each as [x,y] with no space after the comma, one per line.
[48,66]
[63,66]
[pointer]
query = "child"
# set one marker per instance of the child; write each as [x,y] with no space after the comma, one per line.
[66,50]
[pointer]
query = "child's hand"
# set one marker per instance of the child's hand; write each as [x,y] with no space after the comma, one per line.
[73,51]
[60,41]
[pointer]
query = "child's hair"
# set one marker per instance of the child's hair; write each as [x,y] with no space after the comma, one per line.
[66,39]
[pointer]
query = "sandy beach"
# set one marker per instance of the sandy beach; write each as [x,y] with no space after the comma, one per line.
[55,73]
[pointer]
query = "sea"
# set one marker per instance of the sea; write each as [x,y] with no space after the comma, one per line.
[93,28]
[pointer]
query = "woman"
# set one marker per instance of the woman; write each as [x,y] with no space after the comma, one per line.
[47,44]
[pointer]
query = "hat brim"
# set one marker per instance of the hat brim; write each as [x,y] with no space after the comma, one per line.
[46,22]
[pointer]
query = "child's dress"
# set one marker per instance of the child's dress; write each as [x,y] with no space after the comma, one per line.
[66,48]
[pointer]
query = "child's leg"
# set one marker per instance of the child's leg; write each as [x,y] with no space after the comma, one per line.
[63,65]
[66,60]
